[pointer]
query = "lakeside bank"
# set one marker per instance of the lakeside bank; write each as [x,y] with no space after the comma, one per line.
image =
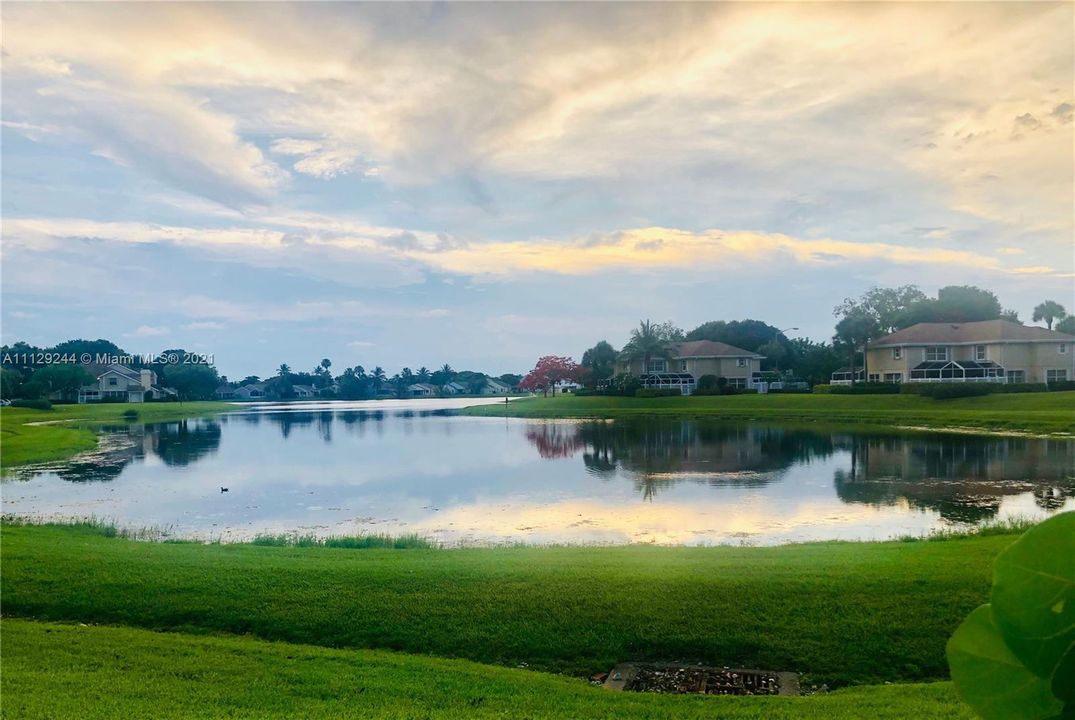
[1049,414]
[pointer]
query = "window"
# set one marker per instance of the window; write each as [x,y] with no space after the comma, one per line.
[112,381]
[1017,376]
[936,354]
[897,353]
[740,362]
[738,383]
[894,377]
[1062,348]
[657,365]
[1052,376]
[875,377]
[683,366]
[979,353]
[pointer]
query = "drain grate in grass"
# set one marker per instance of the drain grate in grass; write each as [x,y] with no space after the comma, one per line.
[700,680]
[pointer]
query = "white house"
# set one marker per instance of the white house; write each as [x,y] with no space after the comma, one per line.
[493,386]
[455,388]
[422,390]
[304,391]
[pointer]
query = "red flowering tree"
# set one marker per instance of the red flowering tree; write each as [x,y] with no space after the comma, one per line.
[550,370]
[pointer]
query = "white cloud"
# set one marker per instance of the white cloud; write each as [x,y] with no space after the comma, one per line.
[148,331]
[204,325]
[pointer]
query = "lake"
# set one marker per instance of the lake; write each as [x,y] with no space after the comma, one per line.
[401,467]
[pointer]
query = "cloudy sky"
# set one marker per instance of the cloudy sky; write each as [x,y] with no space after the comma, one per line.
[481,184]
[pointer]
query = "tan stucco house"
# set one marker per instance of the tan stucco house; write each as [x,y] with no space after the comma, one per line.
[120,383]
[689,361]
[986,351]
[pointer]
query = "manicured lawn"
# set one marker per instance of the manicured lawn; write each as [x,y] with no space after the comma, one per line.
[843,613]
[23,441]
[1045,413]
[53,671]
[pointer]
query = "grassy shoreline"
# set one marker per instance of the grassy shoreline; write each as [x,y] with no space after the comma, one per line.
[1047,414]
[843,613]
[53,670]
[33,436]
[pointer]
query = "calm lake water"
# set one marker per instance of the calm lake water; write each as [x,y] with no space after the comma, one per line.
[402,467]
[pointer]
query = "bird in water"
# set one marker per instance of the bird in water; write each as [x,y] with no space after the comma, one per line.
[223,489]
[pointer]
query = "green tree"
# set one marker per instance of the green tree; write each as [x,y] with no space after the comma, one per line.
[10,380]
[1049,311]
[599,362]
[854,331]
[65,379]
[378,378]
[193,382]
[423,375]
[1067,325]
[648,341]
[284,371]
[954,304]
[443,376]
[815,362]
[885,305]
[774,352]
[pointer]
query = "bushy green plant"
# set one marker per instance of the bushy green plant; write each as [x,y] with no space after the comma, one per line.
[1014,658]
[823,389]
[35,404]
[867,388]
[1062,385]
[131,414]
[657,392]
[951,391]
[707,382]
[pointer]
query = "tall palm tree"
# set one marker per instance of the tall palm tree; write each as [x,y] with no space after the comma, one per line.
[1049,311]
[423,374]
[647,342]
[284,370]
[378,378]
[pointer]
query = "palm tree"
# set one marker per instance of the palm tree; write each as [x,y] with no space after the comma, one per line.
[1049,311]
[378,378]
[423,374]
[647,342]
[284,370]
[326,363]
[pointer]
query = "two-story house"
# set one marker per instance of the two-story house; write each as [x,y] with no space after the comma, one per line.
[689,361]
[121,383]
[986,351]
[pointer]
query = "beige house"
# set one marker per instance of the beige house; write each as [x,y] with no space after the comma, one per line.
[120,383]
[689,361]
[987,351]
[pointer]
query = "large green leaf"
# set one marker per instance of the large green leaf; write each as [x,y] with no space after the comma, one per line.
[1034,600]
[991,679]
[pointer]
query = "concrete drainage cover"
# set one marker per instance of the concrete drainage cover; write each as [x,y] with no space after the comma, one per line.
[700,680]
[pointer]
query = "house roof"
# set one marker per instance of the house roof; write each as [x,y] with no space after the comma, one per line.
[985,331]
[494,381]
[424,386]
[710,348]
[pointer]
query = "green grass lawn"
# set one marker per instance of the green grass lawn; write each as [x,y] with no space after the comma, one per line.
[1044,413]
[842,613]
[23,441]
[68,671]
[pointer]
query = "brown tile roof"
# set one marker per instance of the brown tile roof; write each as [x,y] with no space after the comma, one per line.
[985,331]
[709,348]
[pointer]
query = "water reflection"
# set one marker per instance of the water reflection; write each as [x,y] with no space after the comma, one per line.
[397,468]
[964,478]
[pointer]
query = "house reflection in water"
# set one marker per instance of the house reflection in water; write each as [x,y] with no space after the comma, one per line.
[657,454]
[963,478]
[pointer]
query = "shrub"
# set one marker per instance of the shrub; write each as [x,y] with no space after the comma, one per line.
[657,392]
[823,389]
[1062,385]
[34,404]
[790,391]
[707,382]
[1020,387]
[130,414]
[867,388]
[950,391]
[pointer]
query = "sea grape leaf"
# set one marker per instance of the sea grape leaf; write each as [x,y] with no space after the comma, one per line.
[991,679]
[1064,679]
[1034,598]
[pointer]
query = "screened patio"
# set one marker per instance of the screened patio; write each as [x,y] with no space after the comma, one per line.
[684,382]
[958,371]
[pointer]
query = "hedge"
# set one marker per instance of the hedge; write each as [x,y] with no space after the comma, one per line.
[657,392]
[41,404]
[866,388]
